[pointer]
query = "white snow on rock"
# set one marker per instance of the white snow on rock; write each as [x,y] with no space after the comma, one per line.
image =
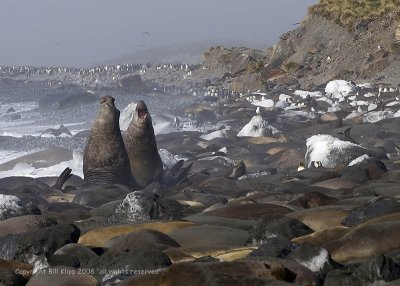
[9,205]
[397,114]
[135,207]
[359,103]
[254,175]
[372,106]
[38,262]
[375,116]
[335,107]
[215,134]
[339,87]
[284,97]
[225,161]
[303,93]
[393,103]
[317,263]
[282,104]
[330,150]
[365,85]
[266,103]
[258,127]
[369,94]
[126,116]
[358,160]
[223,150]
[354,113]
[167,158]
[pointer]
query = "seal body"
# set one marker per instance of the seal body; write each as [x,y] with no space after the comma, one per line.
[105,159]
[141,145]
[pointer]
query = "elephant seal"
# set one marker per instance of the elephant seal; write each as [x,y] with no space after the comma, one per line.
[141,145]
[105,159]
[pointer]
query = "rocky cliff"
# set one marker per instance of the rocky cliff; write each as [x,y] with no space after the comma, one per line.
[325,46]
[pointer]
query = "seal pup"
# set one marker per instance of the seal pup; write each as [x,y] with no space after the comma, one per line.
[141,145]
[105,159]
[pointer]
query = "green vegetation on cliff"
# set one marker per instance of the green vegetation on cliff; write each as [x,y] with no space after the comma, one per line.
[349,12]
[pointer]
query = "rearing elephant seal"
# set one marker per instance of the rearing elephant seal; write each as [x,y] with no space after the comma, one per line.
[141,145]
[105,159]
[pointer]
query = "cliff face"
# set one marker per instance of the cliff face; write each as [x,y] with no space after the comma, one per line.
[319,50]
[322,50]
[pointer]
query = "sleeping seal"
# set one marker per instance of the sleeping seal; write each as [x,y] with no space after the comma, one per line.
[141,145]
[105,159]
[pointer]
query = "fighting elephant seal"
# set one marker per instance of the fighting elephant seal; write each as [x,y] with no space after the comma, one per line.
[105,159]
[141,145]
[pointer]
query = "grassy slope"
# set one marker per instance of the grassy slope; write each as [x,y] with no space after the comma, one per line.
[349,12]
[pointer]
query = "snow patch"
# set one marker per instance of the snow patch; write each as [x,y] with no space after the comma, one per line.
[303,93]
[9,205]
[339,87]
[258,127]
[267,103]
[317,263]
[254,175]
[215,134]
[39,262]
[375,116]
[358,160]
[126,116]
[167,158]
[330,150]
[133,208]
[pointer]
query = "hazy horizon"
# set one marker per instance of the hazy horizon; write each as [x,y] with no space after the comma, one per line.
[81,33]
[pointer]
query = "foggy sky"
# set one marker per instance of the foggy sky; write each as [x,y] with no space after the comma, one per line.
[83,32]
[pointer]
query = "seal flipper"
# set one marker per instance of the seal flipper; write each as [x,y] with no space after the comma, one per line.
[175,174]
[64,176]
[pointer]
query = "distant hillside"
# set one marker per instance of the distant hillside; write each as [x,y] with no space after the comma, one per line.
[190,53]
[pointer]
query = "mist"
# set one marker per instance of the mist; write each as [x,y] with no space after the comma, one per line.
[81,33]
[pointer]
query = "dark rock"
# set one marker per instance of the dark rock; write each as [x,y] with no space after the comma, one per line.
[315,258]
[380,207]
[275,225]
[278,246]
[11,206]
[77,100]
[44,241]
[338,277]
[377,269]
[10,110]
[368,170]
[132,83]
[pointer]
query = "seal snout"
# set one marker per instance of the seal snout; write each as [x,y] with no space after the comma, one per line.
[109,100]
[141,109]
